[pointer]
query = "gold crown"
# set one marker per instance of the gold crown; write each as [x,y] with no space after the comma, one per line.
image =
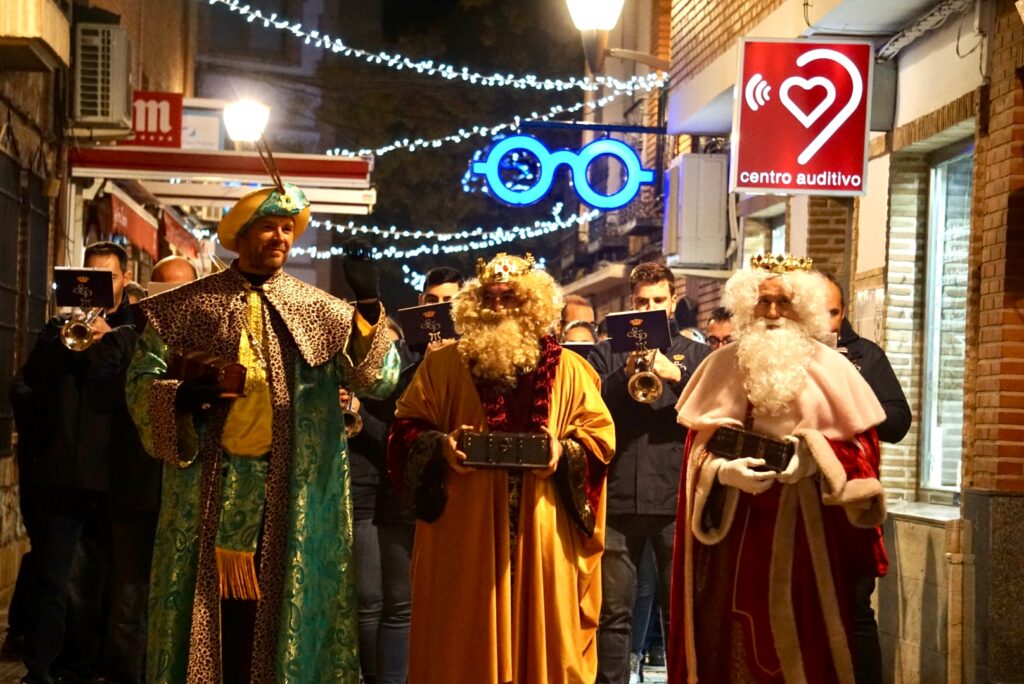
[429,314]
[636,321]
[779,263]
[82,279]
[503,268]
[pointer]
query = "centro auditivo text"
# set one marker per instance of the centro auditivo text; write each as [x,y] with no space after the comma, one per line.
[825,178]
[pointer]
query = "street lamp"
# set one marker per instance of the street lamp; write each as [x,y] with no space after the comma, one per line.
[245,121]
[594,19]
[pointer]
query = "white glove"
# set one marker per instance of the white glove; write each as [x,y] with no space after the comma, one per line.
[801,465]
[740,473]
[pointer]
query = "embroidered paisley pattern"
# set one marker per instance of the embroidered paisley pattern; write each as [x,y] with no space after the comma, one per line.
[306,621]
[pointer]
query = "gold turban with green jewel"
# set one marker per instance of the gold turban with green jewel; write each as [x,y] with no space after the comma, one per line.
[259,203]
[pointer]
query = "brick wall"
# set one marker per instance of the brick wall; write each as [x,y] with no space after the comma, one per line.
[701,31]
[827,234]
[162,41]
[905,276]
[994,459]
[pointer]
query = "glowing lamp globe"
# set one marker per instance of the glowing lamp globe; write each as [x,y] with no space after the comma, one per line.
[595,15]
[246,120]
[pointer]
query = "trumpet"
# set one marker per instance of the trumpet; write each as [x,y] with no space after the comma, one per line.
[353,421]
[76,334]
[644,386]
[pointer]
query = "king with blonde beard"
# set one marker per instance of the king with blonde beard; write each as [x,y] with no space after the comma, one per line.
[506,565]
[766,562]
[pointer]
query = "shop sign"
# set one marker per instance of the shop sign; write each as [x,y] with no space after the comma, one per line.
[801,117]
[156,119]
[548,162]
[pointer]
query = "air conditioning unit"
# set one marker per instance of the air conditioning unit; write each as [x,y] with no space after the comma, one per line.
[103,77]
[696,211]
[209,214]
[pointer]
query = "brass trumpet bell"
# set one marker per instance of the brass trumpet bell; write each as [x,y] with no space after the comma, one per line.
[644,386]
[353,421]
[76,333]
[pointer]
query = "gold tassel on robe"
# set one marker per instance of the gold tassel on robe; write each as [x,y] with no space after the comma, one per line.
[236,571]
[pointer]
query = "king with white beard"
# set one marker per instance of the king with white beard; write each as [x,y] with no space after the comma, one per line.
[766,561]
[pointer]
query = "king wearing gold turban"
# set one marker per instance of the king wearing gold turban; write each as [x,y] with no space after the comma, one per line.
[252,574]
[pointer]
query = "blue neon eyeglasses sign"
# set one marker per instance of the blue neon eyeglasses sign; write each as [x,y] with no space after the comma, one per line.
[578,162]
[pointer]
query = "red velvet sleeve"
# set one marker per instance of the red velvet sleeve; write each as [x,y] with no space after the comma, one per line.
[861,457]
[404,433]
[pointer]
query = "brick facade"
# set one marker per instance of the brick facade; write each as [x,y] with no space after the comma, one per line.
[996,356]
[828,233]
[905,277]
[701,31]
[162,42]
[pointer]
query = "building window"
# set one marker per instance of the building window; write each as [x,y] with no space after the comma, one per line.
[250,38]
[949,228]
[764,234]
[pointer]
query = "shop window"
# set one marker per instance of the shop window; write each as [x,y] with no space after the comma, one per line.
[949,227]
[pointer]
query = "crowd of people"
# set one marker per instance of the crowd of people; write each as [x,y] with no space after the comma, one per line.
[502,507]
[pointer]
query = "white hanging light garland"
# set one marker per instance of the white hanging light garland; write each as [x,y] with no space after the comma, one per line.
[476,131]
[430,68]
[488,237]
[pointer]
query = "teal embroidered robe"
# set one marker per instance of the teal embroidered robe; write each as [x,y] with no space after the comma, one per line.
[306,628]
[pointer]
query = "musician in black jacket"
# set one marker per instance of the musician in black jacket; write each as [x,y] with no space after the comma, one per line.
[84,421]
[643,478]
[875,368]
[392,516]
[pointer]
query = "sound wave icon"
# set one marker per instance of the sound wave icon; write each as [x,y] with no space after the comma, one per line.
[757,92]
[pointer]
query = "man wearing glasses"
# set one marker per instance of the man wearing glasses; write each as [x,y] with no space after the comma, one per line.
[719,329]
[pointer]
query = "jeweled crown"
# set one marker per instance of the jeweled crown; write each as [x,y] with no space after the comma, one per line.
[503,268]
[781,263]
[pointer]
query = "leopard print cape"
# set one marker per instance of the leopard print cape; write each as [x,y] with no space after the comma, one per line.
[207,315]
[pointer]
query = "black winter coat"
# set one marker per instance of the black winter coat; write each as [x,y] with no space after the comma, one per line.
[643,477]
[371,489]
[875,368]
[84,417]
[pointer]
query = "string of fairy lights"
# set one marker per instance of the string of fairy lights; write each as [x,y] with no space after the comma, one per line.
[467,240]
[464,134]
[429,67]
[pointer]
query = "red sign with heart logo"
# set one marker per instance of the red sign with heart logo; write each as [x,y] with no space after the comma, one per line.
[801,117]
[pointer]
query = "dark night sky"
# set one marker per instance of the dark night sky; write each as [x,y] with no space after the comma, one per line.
[371,105]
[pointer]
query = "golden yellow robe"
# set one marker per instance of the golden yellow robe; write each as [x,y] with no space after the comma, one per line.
[474,621]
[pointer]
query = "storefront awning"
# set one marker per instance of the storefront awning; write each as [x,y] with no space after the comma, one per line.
[130,219]
[177,234]
[334,185]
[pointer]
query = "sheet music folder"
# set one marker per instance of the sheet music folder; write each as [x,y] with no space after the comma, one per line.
[428,323]
[633,330]
[84,288]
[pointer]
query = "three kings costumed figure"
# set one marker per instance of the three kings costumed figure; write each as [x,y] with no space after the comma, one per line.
[506,579]
[766,561]
[252,567]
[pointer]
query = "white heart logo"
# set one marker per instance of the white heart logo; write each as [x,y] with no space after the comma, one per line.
[807,84]
[856,93]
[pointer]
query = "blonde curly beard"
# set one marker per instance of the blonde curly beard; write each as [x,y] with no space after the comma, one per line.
[774,364]
[500,346]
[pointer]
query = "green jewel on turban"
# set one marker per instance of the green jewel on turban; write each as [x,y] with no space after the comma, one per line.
[259,203]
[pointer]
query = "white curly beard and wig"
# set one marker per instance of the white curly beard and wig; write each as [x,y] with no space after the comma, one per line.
[498,346]
[773,355]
